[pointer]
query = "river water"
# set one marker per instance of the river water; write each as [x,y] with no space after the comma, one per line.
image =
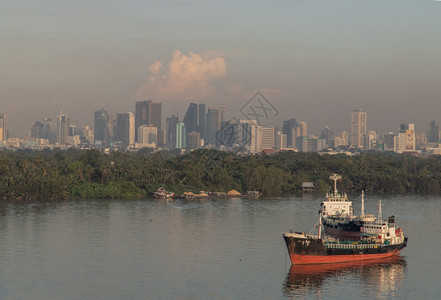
[202,249]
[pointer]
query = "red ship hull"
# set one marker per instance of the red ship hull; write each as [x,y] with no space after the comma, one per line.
[298,259]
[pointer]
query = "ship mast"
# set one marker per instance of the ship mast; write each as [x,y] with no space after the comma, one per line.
[335,177]
[362,204]
[320,227]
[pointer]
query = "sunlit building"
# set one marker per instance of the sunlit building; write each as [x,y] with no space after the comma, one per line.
[358,128]
[63,126]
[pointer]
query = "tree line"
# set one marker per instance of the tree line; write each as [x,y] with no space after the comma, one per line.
[53,175]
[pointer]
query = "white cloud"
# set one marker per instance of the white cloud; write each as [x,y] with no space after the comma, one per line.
[192,76]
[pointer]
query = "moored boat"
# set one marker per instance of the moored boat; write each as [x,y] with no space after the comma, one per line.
[378,239]
[163,194]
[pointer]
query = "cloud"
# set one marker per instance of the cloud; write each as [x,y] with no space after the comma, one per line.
[192,76]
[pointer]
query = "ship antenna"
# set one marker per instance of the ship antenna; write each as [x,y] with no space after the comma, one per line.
[380,217]
[362,204]
[335,177]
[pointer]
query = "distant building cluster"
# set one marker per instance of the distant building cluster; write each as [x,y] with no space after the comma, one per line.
[204,127]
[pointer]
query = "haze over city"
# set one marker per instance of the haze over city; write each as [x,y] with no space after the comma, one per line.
[314,60]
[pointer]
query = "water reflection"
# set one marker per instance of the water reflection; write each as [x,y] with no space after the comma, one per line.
[380,278]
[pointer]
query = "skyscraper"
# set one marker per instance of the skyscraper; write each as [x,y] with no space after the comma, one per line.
[171,131]
[3,127]
[212,126]
[125,128]
[433,135]
[328,135]
[289,128]
[358,127]
[201,125]
[191,118]
[101,120]
[148,113]
[194,119]
[63,126]
[267,137]
[181,136]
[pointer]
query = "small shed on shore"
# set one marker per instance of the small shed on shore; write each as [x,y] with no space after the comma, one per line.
[308,187]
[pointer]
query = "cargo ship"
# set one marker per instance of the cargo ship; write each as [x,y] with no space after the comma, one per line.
[378,239]
[338,216]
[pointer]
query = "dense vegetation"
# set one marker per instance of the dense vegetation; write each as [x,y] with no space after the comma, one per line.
[92,174]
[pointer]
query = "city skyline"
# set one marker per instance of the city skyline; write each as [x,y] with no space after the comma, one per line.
[315,60]
[286,126]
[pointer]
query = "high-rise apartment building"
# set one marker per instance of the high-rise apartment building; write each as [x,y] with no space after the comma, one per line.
[125,128]
[63,126]
[405,140]
[3,127]
[267,136]
[148,113]
[101,121]
[358,128]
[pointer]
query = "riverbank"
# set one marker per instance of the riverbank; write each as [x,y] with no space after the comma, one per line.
[92,174]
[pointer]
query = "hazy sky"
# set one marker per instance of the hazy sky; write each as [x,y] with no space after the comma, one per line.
[315,60]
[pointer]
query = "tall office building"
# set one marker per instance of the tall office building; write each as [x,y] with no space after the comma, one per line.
[191,118]
[171,132]
[181,136]
[194,118]
[289,128]
[358,128]
[101,120]
[202,120]
[212,126]
[148,113]
[433,134]
[3,127]
[37,130]
[63,126]
[125,128]
[328,135]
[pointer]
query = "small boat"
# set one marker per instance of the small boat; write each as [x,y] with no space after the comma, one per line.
[378,239]
[163,194]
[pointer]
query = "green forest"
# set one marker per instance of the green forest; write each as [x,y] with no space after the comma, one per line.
[54,175]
